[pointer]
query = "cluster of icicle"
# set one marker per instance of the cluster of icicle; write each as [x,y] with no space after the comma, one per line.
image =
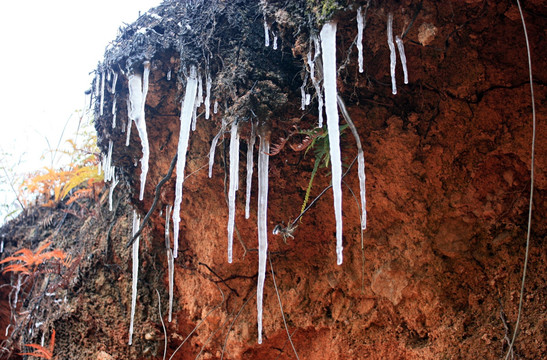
[393,56]
[324,83]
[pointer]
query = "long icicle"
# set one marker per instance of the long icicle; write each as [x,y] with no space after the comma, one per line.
[402,56]
[360,162]
[392,55]
[170,261]
[214,146]
[262,223]
[250,166]
[234,181]
[141,127]
[184,135]
[360,27]
[328,45]
[135,278]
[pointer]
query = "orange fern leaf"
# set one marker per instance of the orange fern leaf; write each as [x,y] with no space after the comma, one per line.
[41,351]
[16,268]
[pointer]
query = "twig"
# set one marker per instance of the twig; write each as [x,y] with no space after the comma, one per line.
[521,298]
[220,278]
[155,203]
[162,324]
[281,308]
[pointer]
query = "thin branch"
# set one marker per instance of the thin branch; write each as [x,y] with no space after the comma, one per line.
[155,203]
[162,324]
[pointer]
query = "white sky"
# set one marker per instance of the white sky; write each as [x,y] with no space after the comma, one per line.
[48,50]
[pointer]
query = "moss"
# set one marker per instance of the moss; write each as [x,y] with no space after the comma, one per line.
[323,10]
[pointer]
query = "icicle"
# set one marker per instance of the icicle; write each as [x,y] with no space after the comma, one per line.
[170,260]
[215,107]
[114,113]
[184,135]
[328,44]
[108,162]
[213,147]
[266,32]
[303,93]
[199,99]
[108,76]
[135,278]
[194,117]
[113,184]
[138,89]
[208,97]
[262,223]
[97,85]
[129,121]
[169,75]
[401,47]
[275,42]
[314,80]
[114,82]
[308,99]
[234,181]
[392,55]
[360,27]
[250,166]
[101,106]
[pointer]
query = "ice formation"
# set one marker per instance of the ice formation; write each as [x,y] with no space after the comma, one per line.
[275,42]
[303,93]
[215,107]
[328,45]
[250,165]
[170,261]
[214,146]
[402,55]
[101,106]
[234,181]
[262,223]
[199,98]
[360,27]
[392,55]
[314,79]
[169,75]
[129,121]
[184,135]
[208,97]
[138,89]
[114,82]
[113,184]
[135,277]
[114,113]
[266,33]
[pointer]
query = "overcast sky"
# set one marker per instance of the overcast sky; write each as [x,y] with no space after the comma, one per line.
[48,50]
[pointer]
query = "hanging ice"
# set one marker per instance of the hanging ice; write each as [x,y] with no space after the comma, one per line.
[266,33]
[138,89]
[314,79]
[169,75]
[101,106]
[262,214]
[113,184]
[328,45]
[401,47]
[392,55]
[184,135]
[129,121]
[303,93]
[214,146]
[114,82]
[170,260]
[114,113]
[135,277]
[215,107]
[275,42]
[360,27]
[250,165]
[108,162]
[234,181]
[199,99]
[208,96]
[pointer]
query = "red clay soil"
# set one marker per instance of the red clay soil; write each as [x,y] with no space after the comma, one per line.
[437,273]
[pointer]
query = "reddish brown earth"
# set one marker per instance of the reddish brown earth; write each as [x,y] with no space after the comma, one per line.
[448,185]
